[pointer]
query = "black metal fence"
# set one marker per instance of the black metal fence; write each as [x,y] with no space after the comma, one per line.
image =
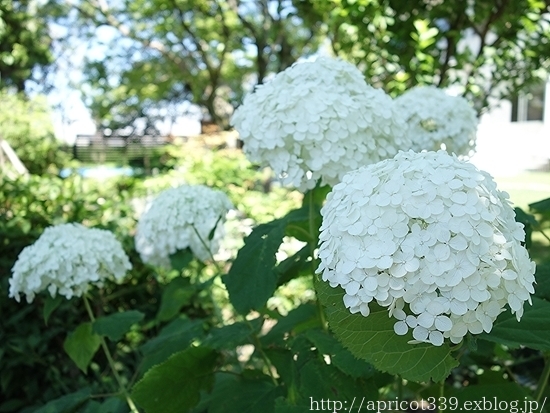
[126,150]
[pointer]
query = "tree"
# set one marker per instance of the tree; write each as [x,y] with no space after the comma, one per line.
[489,48]
[168,52]
[26,124]
[24,42]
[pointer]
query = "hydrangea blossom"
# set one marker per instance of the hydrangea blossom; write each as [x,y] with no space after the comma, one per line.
[181,218]
[432,239]
[65,260]
[317,120]
[438,121]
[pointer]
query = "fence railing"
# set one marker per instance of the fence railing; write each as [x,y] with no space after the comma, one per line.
[126,150]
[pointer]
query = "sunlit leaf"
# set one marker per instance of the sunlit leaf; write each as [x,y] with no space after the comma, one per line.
[81,345]
[373,339]
[252,279]
[174,296]
[174,337]
[174,386]
[114,326]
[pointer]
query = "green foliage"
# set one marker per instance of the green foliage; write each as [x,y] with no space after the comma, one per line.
[27,126]
[66,403]
[174,386]
[372,338]
[252,278]
[114,326]
[402,44]
[213,337]
[24,43]
[32,335]
[249,189]
[530,332]
[81,345]
[189,51]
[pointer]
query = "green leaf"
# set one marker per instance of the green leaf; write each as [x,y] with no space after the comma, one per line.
[114,326]
[66,404]
[93,406]
[282,405]
[301,318]
[294,266]
[181,259]
[298,224]
[323,381]
[340,357]
[175,337]
[113,405]
[541,206]
[174,296]
[532,331]
[213,230]
[529,222]
[244,395]
[304,223]
[232,335]
[542,276]
[50,304]
[252,279]
[487,397]
[81,345]
[373,339]
[287,367]
[175,385]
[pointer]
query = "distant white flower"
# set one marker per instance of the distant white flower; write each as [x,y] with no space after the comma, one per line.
[65,260]
[180,218]
[438,121]
[317,120]
[429,237]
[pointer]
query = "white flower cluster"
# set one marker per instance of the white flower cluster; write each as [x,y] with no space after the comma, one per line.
[181,218]
[65,260]
[432,239]
[317,120]
[438,121]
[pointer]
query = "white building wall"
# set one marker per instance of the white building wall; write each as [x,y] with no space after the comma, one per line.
[505,147]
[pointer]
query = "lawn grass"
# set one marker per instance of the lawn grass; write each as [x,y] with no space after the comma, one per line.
[525,187]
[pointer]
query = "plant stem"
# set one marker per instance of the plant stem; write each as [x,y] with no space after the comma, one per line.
[543,233]
[543,381]
[110,360]
[313,239]
[205,245]
[399,388]
[219,273]
[442,388]
[258,346]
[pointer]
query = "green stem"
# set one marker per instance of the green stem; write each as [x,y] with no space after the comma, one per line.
[399,388]
[205,245]
[543,381]
[312,241]
[258,346]
[111,362]
[219,273]
[442,389]
[543,233]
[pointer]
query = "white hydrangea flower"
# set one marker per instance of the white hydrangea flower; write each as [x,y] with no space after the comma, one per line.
[438,121]
[181,218]
[317,120]
[65,260]
[431,238]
